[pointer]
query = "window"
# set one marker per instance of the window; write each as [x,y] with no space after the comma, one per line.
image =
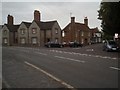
[82,41]
[5,32]
[82,33]
[22,31]
[94,34]
[22,40]
[34,30]
[34,40]
[56,30]
[56,40]
[5,40]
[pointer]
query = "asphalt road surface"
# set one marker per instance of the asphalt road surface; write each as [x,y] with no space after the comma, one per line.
[87,67]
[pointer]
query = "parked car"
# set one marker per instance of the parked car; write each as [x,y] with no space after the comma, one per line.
[110,46]
[65,44]
[53,44]
[75,44]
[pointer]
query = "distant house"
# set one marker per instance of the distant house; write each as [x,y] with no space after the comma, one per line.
[35,33]
[43,32]
[96,35]
[23,33]
[77,32]
[9,32]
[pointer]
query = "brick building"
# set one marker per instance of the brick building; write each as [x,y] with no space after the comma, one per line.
[77,32]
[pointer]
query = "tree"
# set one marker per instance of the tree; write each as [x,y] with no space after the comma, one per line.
[109,13]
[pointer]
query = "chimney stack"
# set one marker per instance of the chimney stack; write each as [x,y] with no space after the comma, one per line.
[72,19]
[86,21]
[36,15]
[10,20]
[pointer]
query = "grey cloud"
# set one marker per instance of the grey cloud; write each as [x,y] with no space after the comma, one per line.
[50,0]
[52,11]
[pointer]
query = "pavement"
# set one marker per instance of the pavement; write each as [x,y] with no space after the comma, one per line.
[86,67]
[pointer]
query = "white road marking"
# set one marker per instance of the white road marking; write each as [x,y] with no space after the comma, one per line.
[76,48]
[115,68]
[115,58]
[50,75]
[90,50]
[70,59]
[73,53]
[41,53]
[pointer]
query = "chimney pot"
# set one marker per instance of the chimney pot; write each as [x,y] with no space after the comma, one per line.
[36,15]
[10,20]
[86,21]
[72,19]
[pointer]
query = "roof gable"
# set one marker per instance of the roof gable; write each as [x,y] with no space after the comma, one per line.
[27,24]
[5,27]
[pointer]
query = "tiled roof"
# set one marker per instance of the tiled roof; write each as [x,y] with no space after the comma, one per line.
[79,26]
[27,24]
[82,26]
[12,28]
[46,25]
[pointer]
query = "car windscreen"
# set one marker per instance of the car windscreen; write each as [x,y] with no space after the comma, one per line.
[112,43]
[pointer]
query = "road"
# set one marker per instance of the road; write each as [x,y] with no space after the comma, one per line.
[87,67]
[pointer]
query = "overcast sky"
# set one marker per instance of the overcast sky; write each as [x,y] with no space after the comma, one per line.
[60,11]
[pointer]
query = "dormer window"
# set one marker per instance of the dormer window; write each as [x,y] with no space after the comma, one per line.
[22,31]
[34,30]
[5,32]
[56,30]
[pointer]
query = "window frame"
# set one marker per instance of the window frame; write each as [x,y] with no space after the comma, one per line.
[5,32]
[22,40]
[82,40]
[34,30]
[82,33]
[33,38]
[5,39]
[56,40]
